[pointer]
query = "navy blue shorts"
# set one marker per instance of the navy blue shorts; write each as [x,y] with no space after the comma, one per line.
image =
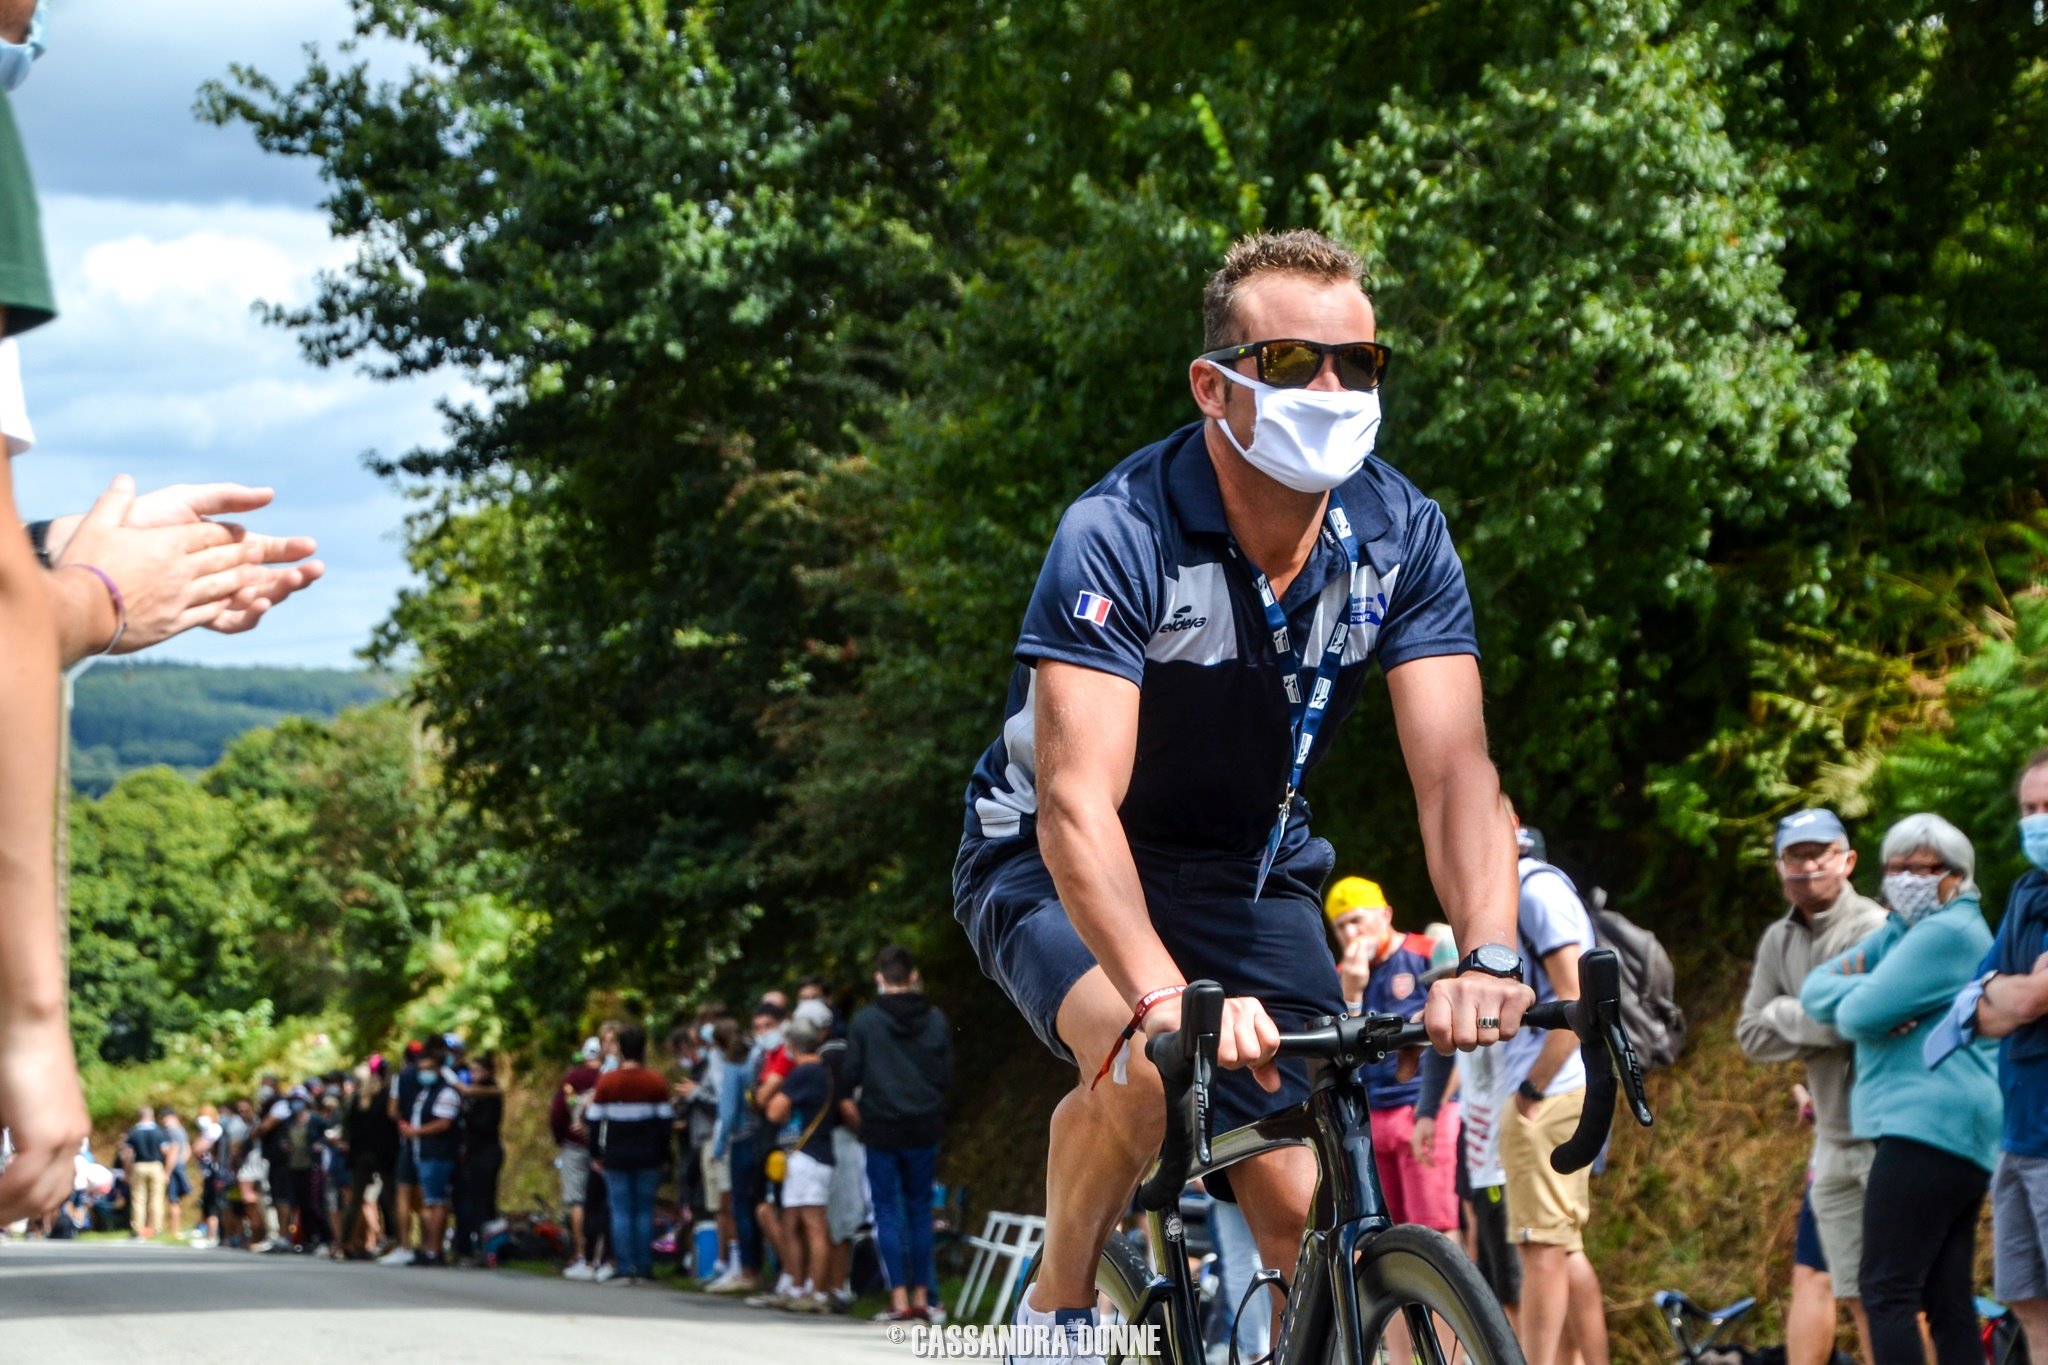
[1806,1243]
[1274,949]
[437,1179]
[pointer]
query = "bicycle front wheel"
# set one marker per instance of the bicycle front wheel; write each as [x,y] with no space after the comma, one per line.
[1420,1299]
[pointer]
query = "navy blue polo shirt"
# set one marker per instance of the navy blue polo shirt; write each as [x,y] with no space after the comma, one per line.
[1140,582]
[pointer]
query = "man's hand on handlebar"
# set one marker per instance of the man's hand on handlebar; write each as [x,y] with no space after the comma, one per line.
[1458,1003]
[1248,1038]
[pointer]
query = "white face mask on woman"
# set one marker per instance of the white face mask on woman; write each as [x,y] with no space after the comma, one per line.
[1308,439]
[1913,895]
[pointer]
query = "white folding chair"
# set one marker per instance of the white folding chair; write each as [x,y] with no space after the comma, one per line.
[1008,1241]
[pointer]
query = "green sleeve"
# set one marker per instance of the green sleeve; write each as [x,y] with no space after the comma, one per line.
[24,274]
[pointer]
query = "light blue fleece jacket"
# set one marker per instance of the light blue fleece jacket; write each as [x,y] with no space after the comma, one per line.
[1910,976]
[734,1079]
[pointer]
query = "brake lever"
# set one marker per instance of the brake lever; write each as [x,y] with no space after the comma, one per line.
[1630,1068]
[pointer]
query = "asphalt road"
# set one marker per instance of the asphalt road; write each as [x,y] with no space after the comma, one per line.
[165,1305]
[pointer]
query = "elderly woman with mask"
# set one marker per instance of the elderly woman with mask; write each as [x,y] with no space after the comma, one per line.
[1936,1128]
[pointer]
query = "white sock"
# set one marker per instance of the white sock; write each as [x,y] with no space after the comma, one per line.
[785,1285]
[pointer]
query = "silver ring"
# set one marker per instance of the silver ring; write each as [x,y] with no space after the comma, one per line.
[1489,1023]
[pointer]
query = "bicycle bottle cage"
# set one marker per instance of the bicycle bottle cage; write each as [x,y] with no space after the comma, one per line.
[1259,1281]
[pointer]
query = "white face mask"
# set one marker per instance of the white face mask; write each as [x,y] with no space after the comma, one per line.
[1308,439]
[1913,895]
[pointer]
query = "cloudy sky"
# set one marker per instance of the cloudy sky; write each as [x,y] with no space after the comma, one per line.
[162,233]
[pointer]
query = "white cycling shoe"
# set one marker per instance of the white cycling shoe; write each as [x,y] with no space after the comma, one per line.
[1059,1328]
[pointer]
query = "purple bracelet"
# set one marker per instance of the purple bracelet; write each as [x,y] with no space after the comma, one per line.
[120,602]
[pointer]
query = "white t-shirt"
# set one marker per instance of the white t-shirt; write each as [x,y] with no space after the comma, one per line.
[16,435]
[447,1104]
[1482,1074]
[1552,917]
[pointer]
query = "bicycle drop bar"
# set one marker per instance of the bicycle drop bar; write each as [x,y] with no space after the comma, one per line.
[1186,1059]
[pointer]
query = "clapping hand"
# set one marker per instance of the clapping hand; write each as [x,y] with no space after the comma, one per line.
[176,567]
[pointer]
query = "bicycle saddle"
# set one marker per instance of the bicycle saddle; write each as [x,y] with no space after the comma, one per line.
[1668,1299]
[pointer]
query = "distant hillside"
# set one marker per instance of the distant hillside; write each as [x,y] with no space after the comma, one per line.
[128,716]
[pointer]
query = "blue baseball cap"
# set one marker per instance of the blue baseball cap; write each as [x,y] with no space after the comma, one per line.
[1817,826]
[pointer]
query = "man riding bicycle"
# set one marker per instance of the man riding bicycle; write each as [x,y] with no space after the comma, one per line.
[1201,628]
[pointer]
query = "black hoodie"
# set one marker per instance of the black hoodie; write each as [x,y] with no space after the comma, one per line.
[899,1054]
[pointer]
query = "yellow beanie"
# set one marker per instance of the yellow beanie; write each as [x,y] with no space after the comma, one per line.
[1353,893]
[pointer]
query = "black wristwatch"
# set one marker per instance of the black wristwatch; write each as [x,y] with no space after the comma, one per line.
[39,541]
[1528,1091]
[1494,959]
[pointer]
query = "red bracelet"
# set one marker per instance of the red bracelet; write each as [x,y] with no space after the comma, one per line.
[1144,1007]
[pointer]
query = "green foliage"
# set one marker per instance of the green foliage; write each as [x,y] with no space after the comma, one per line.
[665,254]
[312,871]
[1992,716]
[134,715]
[225,1055]
[163,914]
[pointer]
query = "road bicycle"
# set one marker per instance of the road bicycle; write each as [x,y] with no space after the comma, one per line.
[1700,1332]
[1356,1272]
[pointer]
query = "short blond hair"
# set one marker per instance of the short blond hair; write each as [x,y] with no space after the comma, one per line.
[1298,251]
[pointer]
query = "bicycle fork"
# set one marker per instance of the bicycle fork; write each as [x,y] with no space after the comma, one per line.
[1347,1212]
[1175,1297]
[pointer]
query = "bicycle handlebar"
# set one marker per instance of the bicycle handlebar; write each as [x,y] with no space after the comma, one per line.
[1186,1059]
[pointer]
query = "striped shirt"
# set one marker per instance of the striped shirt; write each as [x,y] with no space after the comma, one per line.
[630,1119]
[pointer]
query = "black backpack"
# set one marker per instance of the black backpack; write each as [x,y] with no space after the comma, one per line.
[1649,984]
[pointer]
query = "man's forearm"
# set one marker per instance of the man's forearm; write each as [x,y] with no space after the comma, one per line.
[2010,1002]
[1558,1047]
[1090,860]
[31,954]
[1470,844]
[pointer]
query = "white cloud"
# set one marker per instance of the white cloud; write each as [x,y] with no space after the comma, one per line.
[158,365]
[135,271]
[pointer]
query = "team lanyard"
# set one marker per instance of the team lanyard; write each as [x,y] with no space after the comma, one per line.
[1305,711]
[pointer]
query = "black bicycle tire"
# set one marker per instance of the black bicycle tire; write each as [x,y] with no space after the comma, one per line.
[1411,1264]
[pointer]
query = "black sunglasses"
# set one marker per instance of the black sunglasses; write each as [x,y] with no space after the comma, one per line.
[1291,364]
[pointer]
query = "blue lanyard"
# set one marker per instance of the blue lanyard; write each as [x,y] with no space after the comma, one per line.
[1305,709]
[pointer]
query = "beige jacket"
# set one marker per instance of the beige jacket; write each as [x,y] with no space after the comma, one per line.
[1773,1027]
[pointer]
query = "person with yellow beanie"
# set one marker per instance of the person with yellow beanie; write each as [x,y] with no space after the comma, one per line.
[1382,971]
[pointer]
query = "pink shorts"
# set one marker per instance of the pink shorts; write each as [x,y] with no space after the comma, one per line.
[1418,1193]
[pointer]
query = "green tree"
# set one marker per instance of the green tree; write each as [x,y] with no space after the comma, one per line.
[163,914]
[357,854]
[1961,761]
[662,250]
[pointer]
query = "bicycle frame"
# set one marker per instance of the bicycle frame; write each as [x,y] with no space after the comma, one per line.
[1345,1213]
[1347,1209]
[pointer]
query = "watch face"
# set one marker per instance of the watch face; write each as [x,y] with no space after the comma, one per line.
[1492,957]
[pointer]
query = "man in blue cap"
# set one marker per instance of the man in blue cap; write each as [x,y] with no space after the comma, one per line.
[1827,918]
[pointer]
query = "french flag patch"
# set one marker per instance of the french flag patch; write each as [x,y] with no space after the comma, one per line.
[1092,607]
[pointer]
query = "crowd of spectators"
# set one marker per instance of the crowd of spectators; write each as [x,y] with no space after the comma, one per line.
[787,1156]
[401,1163]
[789,1135]
[1926,1080]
